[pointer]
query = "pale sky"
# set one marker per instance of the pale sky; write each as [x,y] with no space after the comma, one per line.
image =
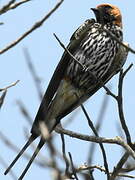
[46,53]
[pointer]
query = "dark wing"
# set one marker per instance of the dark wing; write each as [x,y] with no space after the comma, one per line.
[76,38]
[118,63]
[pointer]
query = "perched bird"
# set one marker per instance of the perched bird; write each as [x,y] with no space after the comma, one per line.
[99,57]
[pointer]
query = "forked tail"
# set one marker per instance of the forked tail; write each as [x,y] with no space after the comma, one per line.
[40,145]
[30,140]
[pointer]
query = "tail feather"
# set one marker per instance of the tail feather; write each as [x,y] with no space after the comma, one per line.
[40,145]
[30,140]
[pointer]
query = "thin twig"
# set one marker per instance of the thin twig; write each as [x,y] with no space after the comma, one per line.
[120,106]
[119,100]
[128,169]
[119,166]
[84,68]
[72,165]
[98,125]
[100,144]
[108,92]
[24,112]
[6,7]
[33,28]
[63,46]
[116,39]
[2,98]
[53,152]
[11,5]
[34,75]
[5,88]
[100,168]
[64,154]
[102,111]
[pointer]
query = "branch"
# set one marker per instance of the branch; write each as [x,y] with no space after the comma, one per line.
[116,140]
[5,7]
[64,154]
[24,112]
[34,75]
[116,39]
[100,144]
[85,167]
[5,88]
[63,46]
[98,125]
[119,100]
[128,169]
[2,98]
[119,166]
[11,5]
[108,92]
[33,28]
[84,68]
[72,165]
[120,105]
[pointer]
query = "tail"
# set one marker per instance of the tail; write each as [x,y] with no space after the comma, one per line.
[30,140]
[40,145]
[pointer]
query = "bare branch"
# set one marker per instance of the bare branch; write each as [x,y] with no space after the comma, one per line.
[64,154]
[120,107]
[72,165]
[33,28]
[116,39]
[74,59]
[85,167]
[34,75]
[119,166]
[24,111]
[117,140]
[108,92]
[6,7]
[98,126]
[100,144]
[2,98]
[119,100]
[63,46]
[11,5]
[5,88]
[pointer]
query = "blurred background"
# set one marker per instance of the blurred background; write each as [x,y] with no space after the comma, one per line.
[45,53]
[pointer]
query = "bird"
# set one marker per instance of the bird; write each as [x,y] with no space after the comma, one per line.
[97,57]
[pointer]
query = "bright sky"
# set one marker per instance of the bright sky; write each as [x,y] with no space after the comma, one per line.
[45,53]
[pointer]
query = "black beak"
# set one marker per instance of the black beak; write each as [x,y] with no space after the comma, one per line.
[97,13]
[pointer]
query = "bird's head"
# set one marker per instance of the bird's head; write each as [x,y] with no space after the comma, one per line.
[108,13]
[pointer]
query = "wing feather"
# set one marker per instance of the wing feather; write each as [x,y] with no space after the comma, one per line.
[76,38]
